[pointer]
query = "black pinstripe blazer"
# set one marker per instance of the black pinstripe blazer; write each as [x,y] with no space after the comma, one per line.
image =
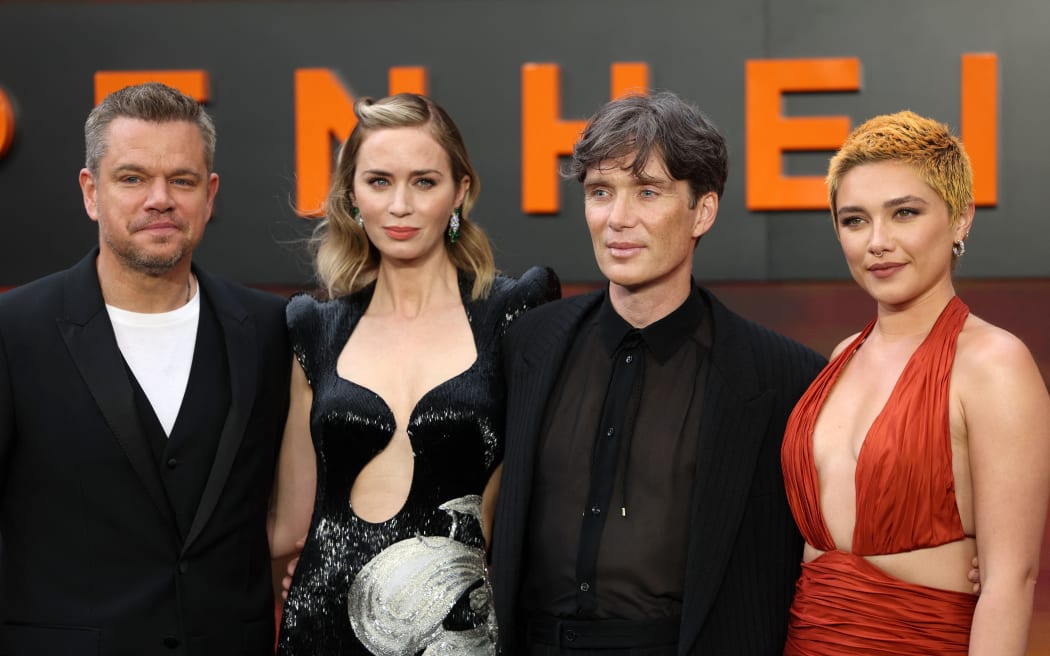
[744,549]
[94,558]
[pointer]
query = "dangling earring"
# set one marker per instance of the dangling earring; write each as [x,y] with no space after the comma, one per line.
[959,248]
[356,214]
[453,226]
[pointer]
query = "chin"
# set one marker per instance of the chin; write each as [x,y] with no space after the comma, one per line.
[621,274]
[892,298]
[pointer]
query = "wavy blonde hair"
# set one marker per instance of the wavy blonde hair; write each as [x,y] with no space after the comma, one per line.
[906,137]
[346,261]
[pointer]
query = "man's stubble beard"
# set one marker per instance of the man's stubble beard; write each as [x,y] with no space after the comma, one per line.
[138,260]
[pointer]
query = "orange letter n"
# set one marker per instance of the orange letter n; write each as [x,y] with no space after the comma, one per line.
[324,112]
[770,134]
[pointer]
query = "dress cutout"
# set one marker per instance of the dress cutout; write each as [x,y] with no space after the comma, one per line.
[905,500]
[415,583]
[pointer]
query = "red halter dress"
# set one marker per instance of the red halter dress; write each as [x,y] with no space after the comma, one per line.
[905,496]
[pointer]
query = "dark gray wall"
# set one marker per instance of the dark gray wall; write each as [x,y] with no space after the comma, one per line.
[474,51]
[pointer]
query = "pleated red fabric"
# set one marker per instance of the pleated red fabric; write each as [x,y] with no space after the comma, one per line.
[845,606]
[905,492]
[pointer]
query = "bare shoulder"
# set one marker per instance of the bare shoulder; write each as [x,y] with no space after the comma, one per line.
[994,372]
[843,345]
[986,349]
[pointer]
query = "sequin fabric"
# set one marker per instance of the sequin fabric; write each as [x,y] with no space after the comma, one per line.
[416,583]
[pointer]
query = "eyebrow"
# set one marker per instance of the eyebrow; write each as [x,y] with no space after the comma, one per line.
[893,202]
[904,200]
[641,180]
[652,182]
[134,168]
[415,173]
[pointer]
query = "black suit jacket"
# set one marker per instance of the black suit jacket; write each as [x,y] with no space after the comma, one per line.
[93,561]
[744,549]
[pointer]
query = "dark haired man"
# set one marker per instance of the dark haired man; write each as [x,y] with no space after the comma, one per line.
[642,508]
[141,405]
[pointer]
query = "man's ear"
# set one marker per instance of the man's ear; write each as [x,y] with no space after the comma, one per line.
[704,214]
[213,188]
[88,189]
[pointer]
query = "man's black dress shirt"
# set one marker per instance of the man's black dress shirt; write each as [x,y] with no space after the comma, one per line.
[608,529]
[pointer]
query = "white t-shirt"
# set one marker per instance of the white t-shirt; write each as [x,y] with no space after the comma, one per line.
[159,349]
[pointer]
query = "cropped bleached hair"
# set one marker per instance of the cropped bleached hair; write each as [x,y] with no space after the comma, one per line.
[926,144]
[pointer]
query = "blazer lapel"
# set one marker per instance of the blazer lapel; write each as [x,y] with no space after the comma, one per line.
[735,418]
[239,337]
[88,335]
[542,362]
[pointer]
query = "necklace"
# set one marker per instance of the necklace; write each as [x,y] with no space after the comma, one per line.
[189,287]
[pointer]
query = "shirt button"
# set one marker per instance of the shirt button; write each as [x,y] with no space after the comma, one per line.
[172,463]
[595,510]
[570,635]
[610,432]
[585,586]
[171,642]
[629,359]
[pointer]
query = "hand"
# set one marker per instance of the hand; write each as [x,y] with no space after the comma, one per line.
[286,582]
[974,576]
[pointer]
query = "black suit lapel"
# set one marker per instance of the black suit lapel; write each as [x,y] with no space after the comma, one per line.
[735,418]
[88,335]
[239,337]
[540,364]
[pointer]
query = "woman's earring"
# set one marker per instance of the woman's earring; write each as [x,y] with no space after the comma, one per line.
[959,248]
[453,226]
[356,213]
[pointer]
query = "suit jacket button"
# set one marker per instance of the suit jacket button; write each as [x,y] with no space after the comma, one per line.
[172,463]
[171,642]
[184,567]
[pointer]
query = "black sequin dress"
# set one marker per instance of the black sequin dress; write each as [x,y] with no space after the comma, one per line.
[415,583]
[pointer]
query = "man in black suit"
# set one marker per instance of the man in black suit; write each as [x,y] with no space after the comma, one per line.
[141,406]
[642,508]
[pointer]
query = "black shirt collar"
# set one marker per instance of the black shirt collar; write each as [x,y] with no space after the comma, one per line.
[663,337]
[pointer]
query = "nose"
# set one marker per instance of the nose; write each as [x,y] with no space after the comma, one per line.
[159,198]
[621,213]
[881,237]
[401,201]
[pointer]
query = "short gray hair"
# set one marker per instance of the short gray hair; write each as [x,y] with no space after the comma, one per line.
[691,146]
[152,101]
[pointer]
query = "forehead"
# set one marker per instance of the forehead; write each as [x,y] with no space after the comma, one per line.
[135,142]
[412,147]
[882,179]
[619,170]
